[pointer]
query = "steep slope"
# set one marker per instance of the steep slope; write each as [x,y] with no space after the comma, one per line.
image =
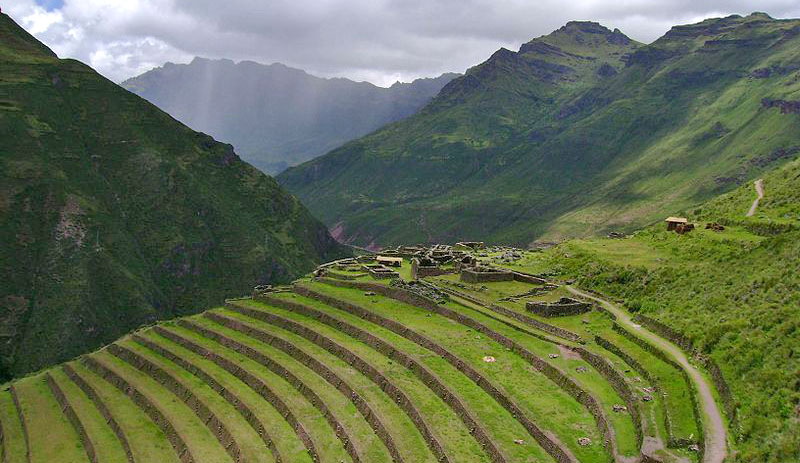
[579,132]
[733,294]
[274,115]
[113,214]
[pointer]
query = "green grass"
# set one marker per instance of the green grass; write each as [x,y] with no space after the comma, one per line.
[250,444]
[198,438]
[13,439]
[327,445]
[367,443]
[287,442]
[552,408]
[407,438]
[52,437]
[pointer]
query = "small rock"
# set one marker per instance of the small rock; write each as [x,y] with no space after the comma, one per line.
[694,448]
[620,408]
[585,321]
[649,390]
[553,356]
[519,441]
[489,359]
[584,441]
[370,293]
[581,369]
[647,398]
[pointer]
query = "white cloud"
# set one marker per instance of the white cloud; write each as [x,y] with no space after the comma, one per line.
[376,40]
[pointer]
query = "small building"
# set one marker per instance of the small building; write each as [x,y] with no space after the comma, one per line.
[390,261]
[674,222]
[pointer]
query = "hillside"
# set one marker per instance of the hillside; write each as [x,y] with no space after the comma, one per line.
[732,294]
[274,115]
[113,214]
[579,132]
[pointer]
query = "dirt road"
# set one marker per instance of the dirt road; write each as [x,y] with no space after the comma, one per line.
[760,192]
[714,426]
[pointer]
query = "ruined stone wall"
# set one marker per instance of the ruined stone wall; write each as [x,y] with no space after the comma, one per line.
[527,278]
[229,396]
[206,416]
[385,384]
[323,371]
[469,275]
[102,408]
[246,377]
[557,309]
[72,417]
[158,418]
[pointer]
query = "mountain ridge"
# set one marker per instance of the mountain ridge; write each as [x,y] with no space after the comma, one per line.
[274,114]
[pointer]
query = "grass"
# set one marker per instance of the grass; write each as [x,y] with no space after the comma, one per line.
[13,440]
[147,441]
[558,412]
[365,440]
[282,434]
[52,437]
[250,444]
[406,436]
[195,434]
[327,445]
[106,444]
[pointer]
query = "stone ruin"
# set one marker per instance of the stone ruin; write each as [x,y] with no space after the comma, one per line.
[422,267]
[564,307]
[714,226]
[380,272]
[480,274]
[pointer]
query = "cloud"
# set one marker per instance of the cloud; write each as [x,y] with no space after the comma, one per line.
[377,40]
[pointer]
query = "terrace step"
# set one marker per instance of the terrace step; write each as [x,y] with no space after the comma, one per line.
[13,439]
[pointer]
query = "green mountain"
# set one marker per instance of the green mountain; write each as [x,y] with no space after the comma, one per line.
[580,132]
[731,293]
[274,115]
[113,214]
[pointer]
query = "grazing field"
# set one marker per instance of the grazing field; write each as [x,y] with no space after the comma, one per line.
[344,367]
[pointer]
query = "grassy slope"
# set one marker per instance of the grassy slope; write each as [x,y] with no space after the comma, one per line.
[113,214]
[732,292]
[519,148]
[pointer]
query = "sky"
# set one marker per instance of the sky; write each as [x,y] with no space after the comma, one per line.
[380,41]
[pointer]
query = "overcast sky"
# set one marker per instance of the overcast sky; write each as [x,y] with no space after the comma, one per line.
[380,41]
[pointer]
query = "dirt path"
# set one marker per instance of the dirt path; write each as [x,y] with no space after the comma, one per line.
[760,192]
[714,426]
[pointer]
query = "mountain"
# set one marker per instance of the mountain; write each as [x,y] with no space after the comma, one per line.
[274,115]
[113,214]
[580,132]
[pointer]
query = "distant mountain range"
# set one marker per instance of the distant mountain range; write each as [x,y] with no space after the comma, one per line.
[580,132]
[113,214]
[274,115]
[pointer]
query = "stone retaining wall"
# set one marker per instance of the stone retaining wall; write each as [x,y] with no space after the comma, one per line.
[319,368]
[558,309]
[280,370]
[527,278]
[67,410]
[161,376]
[673,441]
[423,373]
[158,418]
[229,396]
[25,435]
[619,384]
[471,275]
[553,448]
[396,394]
[251,380]
[551,372]
[686,344]
[102,408]
[547,328]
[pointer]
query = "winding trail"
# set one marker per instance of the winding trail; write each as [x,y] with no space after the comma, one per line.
[713,423]
[759,184]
